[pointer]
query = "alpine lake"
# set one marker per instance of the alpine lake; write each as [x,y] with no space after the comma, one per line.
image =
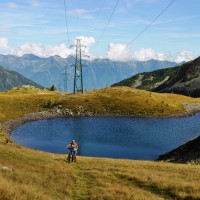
[112,137]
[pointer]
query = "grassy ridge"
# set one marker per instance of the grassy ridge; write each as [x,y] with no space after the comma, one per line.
[109,101]
[39,175]
[148,80]
[43,176]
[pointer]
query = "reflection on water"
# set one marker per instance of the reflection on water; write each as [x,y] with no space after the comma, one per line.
[132,138]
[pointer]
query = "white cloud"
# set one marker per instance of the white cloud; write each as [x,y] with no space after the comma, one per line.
[47,50]
[87,42]
[118,52]
[3,44]
[185,55]
[122,52]
[12,5]
[42,50]
[79,11]
[148,54]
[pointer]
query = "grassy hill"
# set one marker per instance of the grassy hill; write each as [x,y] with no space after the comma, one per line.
[10,79]
[184,79]
[118,101]
[31,174]
[148,80]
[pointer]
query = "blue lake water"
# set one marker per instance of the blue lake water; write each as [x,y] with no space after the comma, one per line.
[122,137]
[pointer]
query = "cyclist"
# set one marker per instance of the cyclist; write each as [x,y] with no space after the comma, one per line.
[73,147]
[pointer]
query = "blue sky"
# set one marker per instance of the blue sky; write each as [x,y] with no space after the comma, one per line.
[39,27]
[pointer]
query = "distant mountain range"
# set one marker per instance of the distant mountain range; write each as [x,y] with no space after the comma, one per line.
[184,79]
[97,73]
[10,79]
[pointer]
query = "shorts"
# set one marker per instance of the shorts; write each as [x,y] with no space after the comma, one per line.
[74,152]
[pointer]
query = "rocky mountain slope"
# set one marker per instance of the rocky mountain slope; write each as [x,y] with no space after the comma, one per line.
[148,80]
[187,153]
[10,79]
[186,81]
[97,73]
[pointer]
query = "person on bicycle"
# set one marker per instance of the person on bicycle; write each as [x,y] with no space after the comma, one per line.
[73,147]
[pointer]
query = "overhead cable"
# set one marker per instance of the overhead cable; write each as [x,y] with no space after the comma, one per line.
[134,39]
[66,22]
[110,18]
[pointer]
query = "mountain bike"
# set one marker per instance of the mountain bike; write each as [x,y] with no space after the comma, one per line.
[70,157]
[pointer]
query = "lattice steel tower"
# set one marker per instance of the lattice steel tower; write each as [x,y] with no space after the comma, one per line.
[78,75]
[65,79]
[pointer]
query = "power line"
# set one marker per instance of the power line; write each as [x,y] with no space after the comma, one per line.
[134,39]
[66,22]
[113,12]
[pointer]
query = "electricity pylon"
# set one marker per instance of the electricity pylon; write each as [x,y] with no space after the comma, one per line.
[65,78]
[78,75]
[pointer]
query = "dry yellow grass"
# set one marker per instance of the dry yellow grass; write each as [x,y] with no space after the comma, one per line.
[108,101]
[43,176]
[39,175]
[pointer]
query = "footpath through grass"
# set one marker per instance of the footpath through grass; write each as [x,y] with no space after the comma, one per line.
[42,176]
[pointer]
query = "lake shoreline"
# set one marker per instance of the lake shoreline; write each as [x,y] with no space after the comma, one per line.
[10,125]
[54,123]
